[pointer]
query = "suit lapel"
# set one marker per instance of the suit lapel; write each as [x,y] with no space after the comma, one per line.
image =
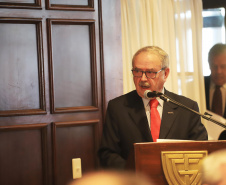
[138,115]
[207,87]
[224,112]
[168,116]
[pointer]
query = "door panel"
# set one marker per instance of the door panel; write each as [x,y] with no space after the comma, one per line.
[80,5]
[81,142]
[23,154]
[21,67]
[55,58]
[72,65]
[50,90]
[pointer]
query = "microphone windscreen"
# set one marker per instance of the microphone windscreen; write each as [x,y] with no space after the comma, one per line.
[149,94]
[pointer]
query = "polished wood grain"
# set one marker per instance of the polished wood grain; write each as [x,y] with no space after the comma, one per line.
[51,139]
[23,154]
[66,65]
[81,142]
[146,157]
[22,88]
[21,4]
[81,5]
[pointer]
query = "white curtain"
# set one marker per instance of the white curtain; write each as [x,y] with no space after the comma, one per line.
[176,27]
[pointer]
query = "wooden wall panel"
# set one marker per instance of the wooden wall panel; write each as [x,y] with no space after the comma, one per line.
[23,155]
[72,60]
[81,142]
[21,67]
[112,45]
[70,2]
[78,5]
[76,130]
[26,4]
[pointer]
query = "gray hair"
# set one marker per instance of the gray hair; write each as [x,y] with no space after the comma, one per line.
[154,50]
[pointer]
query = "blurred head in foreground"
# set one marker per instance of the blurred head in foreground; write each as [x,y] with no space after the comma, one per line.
[214,168]
[112,178]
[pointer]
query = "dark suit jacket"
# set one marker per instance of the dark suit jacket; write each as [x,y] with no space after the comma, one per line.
[126,123]
[207,87]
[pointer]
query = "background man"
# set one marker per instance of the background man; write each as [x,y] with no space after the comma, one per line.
[215,84]
[129,118]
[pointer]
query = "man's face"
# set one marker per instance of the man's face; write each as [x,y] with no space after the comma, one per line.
[218,69]
[149,62]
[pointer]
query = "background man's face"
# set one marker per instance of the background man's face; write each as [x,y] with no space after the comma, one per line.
[218,69]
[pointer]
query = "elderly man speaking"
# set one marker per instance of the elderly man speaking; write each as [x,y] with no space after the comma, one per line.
[134,118]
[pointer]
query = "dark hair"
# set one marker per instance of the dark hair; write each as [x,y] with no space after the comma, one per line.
[216,50]
[222,135]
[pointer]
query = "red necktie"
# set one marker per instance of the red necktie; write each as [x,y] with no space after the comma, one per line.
[217,101]
[155,119]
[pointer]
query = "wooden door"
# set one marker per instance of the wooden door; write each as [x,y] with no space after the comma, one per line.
[52,91]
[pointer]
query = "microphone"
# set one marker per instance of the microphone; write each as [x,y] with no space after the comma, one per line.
[151,94]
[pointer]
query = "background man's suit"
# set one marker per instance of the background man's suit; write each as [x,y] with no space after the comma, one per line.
[207,87]
[126,123]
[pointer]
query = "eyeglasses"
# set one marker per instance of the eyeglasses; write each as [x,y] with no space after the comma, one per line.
[149,74]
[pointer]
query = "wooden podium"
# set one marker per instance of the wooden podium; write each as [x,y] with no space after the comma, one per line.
[146,157]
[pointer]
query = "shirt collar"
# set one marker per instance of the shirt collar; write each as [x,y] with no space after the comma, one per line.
[212,85]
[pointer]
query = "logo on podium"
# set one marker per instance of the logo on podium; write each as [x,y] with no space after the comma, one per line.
[182,167]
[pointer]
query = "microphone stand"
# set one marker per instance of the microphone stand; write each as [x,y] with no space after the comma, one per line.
[206,116]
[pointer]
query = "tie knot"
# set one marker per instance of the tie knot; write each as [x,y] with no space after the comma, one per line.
[154,103]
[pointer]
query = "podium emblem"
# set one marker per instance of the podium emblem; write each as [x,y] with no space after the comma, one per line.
[182,167]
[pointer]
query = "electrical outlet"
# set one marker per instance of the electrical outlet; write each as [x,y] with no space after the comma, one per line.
[76,168]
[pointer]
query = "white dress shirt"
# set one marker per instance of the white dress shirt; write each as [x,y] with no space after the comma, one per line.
[147,107]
